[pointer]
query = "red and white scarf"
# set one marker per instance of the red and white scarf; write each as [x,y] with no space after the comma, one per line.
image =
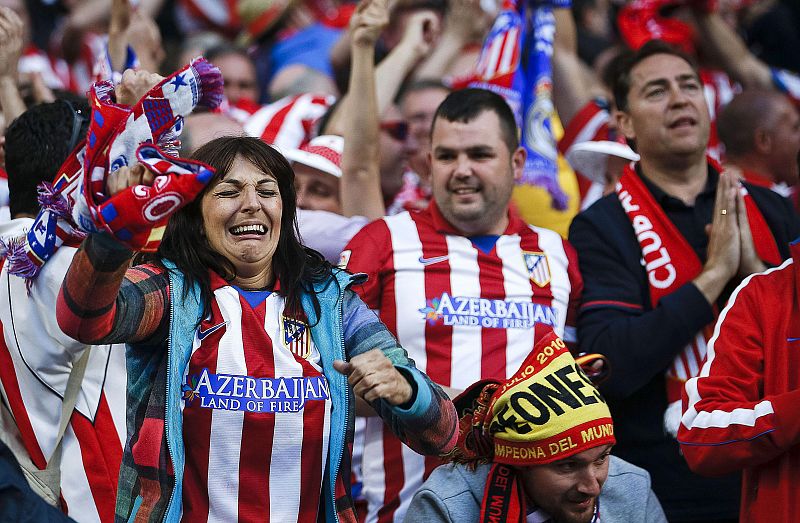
[118,136]
[671,262]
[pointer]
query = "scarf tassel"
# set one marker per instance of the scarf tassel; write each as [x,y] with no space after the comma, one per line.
[211,82]
[19,263]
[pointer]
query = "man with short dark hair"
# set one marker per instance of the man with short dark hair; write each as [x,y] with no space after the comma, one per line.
[465,284]
[36,144]
[658,258]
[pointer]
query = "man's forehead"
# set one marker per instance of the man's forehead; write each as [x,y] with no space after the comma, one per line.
[661,66]
[587,456]
[484,129]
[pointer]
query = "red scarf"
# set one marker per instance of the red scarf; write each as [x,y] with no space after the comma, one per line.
[504,498]
[671,262]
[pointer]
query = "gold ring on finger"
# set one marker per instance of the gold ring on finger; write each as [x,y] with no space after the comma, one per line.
[723,212]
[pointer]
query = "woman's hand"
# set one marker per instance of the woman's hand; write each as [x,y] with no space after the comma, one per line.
[134,85]
[125,177]
[373,377]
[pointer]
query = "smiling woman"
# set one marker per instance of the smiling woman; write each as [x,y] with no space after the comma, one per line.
[246,352]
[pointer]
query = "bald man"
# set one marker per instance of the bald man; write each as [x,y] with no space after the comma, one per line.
[761,133]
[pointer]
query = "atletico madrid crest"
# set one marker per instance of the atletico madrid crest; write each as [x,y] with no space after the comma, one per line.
[296,337]
[538,267]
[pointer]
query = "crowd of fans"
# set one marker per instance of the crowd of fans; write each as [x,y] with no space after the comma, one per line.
[489,177]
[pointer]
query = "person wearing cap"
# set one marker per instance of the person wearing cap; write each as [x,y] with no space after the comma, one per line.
[536,447]
[659,258]
[317,168]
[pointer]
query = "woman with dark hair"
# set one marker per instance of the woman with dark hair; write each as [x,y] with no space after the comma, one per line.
[246,352]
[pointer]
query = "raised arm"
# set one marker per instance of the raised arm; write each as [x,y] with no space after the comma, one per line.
[571,90]
[360,186]
[101,299]
[727,47]
[466,22]
[422,29]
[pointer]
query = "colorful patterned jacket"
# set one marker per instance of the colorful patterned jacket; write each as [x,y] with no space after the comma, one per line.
[151,474]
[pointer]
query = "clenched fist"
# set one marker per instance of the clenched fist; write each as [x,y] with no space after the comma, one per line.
[373,377]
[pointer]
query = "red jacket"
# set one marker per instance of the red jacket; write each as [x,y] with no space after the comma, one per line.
[743,411]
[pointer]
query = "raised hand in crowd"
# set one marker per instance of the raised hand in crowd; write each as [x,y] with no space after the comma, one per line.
[129,27]
[145,38]
[11,31]
[11,38]
[118,33]
[360,186]
[367,22]
[421,33]
[134,85]
[466,22]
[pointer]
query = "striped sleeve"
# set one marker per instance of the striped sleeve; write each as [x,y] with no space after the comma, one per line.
[728,422]
[430,425]
[103,301]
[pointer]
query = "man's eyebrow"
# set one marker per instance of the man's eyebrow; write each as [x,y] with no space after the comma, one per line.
[479,149]
[655,82]
[664,81]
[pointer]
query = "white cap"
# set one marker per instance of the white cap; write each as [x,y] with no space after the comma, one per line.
[323,153]
[590,158]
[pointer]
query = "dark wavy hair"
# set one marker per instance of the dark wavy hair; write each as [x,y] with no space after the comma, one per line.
[185,244]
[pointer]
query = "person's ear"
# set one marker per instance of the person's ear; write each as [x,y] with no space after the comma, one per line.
[625,124]
[518,162]
[762,140]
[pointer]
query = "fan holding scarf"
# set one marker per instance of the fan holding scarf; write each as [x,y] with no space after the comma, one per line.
[246,350]
[659,259]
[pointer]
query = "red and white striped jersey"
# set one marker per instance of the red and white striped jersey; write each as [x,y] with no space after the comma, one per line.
[35,361]
[256,415]
[289,122]
[461,313]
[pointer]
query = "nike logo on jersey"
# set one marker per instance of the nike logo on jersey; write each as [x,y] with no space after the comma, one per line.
[435,259]
[201,334]
[792,339]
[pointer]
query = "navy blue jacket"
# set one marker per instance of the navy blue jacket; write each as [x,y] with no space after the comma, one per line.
[18,503]
[616,319]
